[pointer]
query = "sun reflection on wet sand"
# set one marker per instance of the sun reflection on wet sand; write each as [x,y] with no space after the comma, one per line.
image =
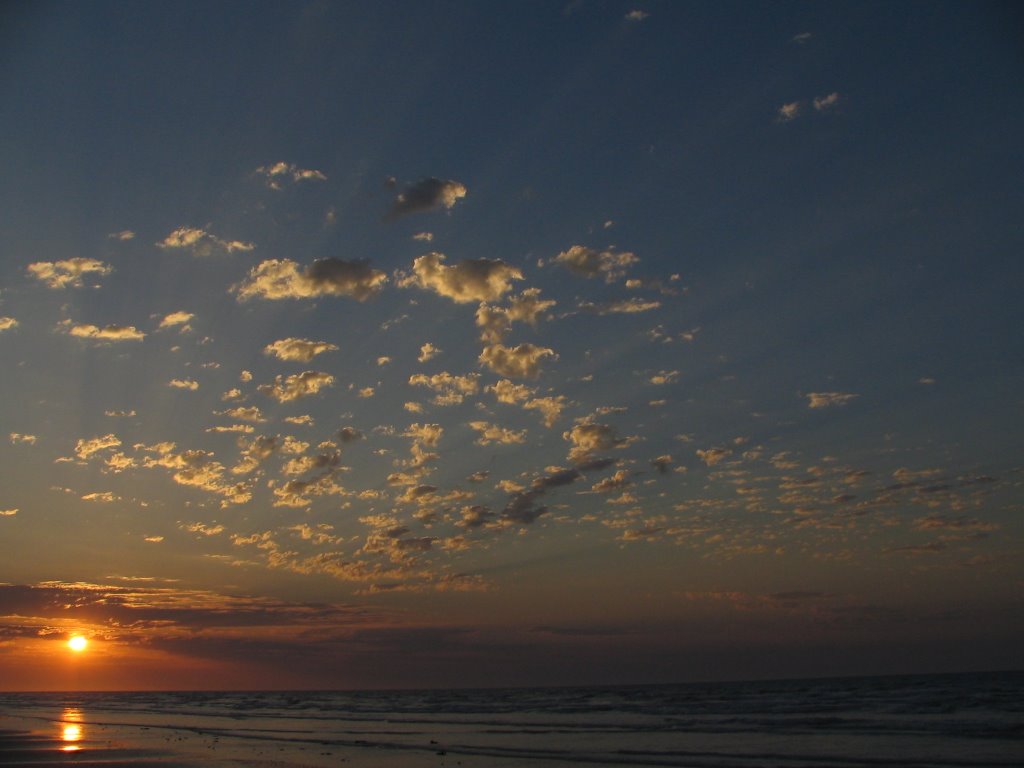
[71,729]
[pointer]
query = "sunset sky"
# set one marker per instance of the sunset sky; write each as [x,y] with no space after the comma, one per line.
[475,343]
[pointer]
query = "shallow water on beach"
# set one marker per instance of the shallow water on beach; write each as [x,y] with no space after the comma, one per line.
[943,721]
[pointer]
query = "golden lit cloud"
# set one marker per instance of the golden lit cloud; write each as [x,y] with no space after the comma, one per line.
[189,384]
[202,243]
[299,350]
[106,333]
[590,262]
[6,323]
[523,361]
[492,433]
[276,279]
[472,280]
[176,319]
[288,388]
[428,194]
[278,174]
[829,399]
[70,272]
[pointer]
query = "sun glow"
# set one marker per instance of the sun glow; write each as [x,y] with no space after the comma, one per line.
[78,643]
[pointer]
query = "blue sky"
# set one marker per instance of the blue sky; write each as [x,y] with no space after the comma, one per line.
[676,340]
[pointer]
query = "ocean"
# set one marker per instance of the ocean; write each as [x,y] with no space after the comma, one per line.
[971,720]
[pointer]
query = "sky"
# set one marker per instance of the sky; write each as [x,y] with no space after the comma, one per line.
[395,344]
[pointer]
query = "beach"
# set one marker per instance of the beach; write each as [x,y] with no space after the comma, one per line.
[924,721]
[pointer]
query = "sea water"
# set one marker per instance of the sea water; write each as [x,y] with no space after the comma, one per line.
[974,720]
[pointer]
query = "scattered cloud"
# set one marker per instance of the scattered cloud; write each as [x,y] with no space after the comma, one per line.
[620,307]
[277,175]
[190,384]
[177,319]
[70,272]
[124,234]
[450,389]
[202,243]
[428,352]
[801,38]
[106,333]
[6,323]
[590,262]
[427,195]
[713,456]
[789,111]
[588,438]
[297,350]
[492,433]
[424,237]
[276,279]
[17,438]
[828,399]
[288,388]
[522,361]
[471,280]
[637,15]
[821,103]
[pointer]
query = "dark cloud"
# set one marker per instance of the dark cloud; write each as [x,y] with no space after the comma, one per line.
[428,194]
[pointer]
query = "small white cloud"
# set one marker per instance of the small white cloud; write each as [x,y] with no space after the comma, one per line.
[17,439]
[471,280]
[590,262]
[424,237]
[637,15]
[124,234]
[190,384]
[801,38]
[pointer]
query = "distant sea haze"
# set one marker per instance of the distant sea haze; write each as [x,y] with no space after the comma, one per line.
[927,721]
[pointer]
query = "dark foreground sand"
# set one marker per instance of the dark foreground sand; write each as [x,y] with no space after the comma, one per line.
[25,746]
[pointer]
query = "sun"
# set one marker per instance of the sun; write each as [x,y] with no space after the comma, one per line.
[78,643]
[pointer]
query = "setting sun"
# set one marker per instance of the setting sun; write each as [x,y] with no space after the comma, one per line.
[78,643]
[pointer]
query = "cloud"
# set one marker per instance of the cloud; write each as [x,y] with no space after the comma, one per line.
[801,38]
[713,456]
[288,388]
[6,323]
[17,438]
[821,103]
[519,394]
[588,438]
[276,279]
[299,350]
[828,399]
[428,352]
[662,463]
[84,449]
[104,497]
[523,361]
[471,280]
[190,384]
[253,454]
[61,274]
[492,433]
[106,333]
[427,195]
[201,242]
[8,512]
[637,15]
[244,413]
[176,318]
[495,322]
[789,111]
[424,237]
[619,307]
[278,174]
[450,389]
[664,377]
[621,479]
[196,469]
[589,262]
